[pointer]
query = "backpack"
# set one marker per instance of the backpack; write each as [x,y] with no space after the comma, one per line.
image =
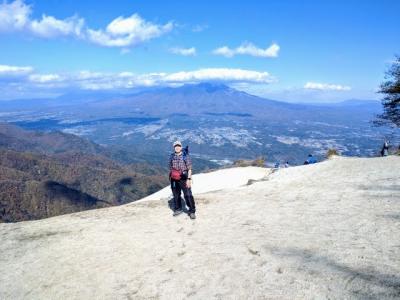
[185,152]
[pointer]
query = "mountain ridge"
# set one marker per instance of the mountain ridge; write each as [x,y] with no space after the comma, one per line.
[47,174]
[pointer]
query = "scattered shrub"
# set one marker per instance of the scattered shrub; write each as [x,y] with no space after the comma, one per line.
[258,162]
[332,152]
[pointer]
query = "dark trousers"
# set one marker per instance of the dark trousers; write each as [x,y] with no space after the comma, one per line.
[177,187]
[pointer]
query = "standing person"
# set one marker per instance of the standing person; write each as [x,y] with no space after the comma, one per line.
[385,148]
[180,166]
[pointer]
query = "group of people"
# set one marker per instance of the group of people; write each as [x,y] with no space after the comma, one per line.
[310,160]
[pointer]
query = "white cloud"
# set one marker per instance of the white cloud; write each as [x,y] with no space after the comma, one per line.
[121,32]
[326,86]
[220,74]
[11,71]
[44,78]
[97,81]
[184,51]
[122,80]
[14,16]
[224,51]
[83,75]
[49,27]
[248,49]
[129,80]
[124,32]
[199,28]
[102,81]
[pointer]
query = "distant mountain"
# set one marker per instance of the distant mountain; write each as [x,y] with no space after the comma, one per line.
[353,102]
[219,123]
[376,104]
[373,105]
[18,139]
[68,99]
[195,100]
[219,100]
[191,100]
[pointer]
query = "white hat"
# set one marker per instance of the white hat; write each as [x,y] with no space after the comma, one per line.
[177,143]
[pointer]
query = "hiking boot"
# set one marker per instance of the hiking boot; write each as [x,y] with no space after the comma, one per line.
[177,212]
[192,216]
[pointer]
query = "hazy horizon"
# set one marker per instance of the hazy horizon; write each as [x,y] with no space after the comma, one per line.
[133,91]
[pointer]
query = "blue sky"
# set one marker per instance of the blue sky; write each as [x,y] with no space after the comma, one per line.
[301,51]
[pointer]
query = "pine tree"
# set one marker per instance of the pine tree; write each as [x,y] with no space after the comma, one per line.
[391,101]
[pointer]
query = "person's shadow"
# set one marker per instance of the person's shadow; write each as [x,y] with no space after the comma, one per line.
[171,204]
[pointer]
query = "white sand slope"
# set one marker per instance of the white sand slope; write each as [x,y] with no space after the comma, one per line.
[214,181]
[324,231]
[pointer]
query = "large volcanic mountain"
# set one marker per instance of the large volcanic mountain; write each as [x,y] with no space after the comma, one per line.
[221,124]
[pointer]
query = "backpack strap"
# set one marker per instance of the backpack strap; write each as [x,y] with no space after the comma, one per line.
[184,156]
[171,156]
